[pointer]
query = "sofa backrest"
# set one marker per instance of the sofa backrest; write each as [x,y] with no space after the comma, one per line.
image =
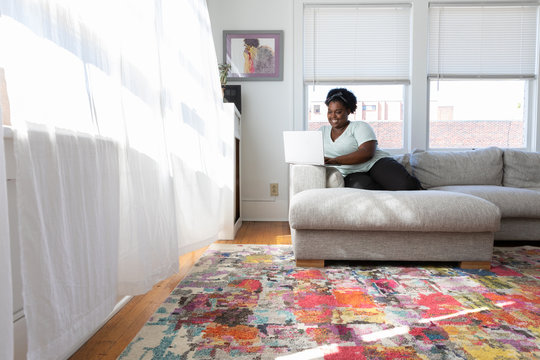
[473,167]
[488,166]
[521,169]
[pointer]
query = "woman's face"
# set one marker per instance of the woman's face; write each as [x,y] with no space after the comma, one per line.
[337,114]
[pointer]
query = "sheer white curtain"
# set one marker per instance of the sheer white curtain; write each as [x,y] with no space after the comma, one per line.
[195,142]
[117,114]
[6,299]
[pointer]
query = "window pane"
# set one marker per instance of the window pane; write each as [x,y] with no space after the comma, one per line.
[477,113]
[379,105]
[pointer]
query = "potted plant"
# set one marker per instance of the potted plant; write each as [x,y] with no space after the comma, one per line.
[223,72]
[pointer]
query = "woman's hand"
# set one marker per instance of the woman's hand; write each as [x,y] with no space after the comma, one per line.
[330,161]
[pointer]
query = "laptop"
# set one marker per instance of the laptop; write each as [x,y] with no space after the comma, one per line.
[303,147]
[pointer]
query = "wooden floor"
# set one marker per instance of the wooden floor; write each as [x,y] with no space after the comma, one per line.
[118,332]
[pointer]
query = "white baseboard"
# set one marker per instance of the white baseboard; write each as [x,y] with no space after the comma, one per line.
[265,210]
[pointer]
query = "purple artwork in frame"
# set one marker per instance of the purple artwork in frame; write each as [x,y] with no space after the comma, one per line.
[253,55]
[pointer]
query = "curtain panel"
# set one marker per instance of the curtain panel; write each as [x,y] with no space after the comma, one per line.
[117,113]
[6,299]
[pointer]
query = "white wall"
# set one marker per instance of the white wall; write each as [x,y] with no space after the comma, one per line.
[267,106]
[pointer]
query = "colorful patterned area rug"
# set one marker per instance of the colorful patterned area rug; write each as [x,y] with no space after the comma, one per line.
[251,302]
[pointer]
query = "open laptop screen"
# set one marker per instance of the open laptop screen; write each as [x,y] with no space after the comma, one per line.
[303,147]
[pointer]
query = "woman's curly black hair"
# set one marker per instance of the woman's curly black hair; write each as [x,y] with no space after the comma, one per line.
[344,96]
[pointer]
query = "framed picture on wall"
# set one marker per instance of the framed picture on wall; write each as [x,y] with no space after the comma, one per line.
[253,55]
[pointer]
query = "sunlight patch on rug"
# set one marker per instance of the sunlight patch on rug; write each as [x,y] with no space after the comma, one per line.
[251,302]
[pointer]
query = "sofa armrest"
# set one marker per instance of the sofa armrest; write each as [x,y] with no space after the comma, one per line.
[305,177]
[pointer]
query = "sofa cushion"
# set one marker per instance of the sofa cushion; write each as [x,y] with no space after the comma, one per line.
[420,211]
[405,160]
[474,167]
[513,202]
[521,169]
[334,178]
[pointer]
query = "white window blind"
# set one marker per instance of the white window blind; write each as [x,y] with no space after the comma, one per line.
[482,41]
[356,43]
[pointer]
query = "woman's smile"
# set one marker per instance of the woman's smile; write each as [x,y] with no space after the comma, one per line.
[337,115]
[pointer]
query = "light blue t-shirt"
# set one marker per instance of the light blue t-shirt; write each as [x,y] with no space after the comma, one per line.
[357,133]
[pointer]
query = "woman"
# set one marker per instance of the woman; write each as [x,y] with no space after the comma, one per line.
[352,148]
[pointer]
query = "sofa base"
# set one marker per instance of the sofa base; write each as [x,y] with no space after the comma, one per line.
[519,229]
[485,265]
[310,263]
[320,245]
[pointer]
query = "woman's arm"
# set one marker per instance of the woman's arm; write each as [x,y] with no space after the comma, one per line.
[364,153]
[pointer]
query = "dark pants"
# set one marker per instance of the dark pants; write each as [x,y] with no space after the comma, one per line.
[385,174]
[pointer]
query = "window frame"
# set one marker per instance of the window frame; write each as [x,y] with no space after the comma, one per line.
[416,97]
[531,116]
[304,84]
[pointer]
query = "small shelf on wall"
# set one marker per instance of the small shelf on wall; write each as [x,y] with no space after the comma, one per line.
[233,94]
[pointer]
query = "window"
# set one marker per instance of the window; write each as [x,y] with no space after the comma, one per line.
[477,113]
[366,49]
[481,66]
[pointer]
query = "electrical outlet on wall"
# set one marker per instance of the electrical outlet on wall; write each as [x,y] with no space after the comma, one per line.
[274,189]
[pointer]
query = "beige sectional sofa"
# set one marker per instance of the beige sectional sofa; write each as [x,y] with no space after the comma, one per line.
[472,198]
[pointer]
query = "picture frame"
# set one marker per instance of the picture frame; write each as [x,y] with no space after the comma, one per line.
[253,55]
